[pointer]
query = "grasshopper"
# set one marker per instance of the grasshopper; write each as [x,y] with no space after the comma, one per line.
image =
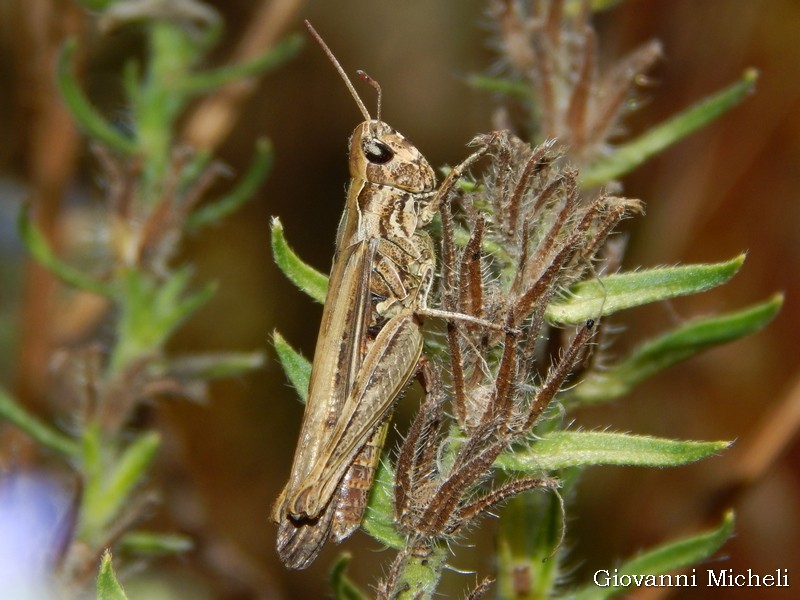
[370,339]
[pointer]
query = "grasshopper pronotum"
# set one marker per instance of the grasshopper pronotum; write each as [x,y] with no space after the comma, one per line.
[369,340]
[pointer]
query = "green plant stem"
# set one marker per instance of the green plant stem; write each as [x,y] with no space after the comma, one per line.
[531,529]
[419,575]
[159,101]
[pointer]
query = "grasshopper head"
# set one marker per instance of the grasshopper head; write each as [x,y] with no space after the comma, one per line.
[381,155]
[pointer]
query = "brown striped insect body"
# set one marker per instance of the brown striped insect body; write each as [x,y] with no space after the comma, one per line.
[370,338]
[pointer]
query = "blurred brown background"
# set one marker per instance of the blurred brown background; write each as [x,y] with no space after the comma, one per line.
[729,188]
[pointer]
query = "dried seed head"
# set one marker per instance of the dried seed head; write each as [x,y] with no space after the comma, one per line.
[528,232]
[555,53]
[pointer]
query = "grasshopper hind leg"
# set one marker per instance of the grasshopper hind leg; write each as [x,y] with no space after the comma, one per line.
[354,490]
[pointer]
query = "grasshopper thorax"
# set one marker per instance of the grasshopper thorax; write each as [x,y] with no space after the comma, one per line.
[382,156]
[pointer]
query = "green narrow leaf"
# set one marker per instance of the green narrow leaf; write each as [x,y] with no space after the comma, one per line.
[37,245]
[217,365]
[11,411]
[92,521]
[673,347]
[173,305]
[151,543]
[307,278]
[81,109]
[659,562]
[594,298]
[106,495]
[256,173]
[498,85]
[284,50]
[573,7]
[96,5]
[108,588]
[628,156]
[379,516]
[343,588]
[132,467]
[562,449]
[295,365]
[91,458]
[131,78]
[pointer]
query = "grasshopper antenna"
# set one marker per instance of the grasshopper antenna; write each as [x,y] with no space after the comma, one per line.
[377,88]
[344,76]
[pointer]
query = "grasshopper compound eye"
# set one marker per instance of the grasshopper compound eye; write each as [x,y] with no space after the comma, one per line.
[376,151]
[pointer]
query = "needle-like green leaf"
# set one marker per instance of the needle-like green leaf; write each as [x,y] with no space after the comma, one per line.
[11,411]
[284,50]
[660,561]
[343,587]
[562,449]
[603,296]
[673,347]
[82,110]
[256,173]
[152,543]
[627,157]
[37,245]
[296,366]
[304,276]
[108,588]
